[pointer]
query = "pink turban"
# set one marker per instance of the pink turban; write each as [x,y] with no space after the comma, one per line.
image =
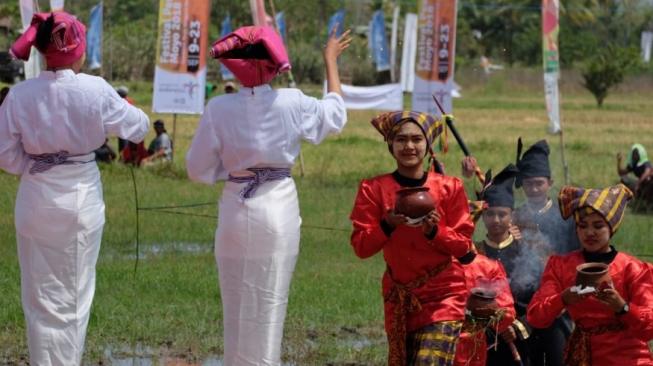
[254,54]
[67,41]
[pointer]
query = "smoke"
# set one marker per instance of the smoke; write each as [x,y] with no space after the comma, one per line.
[534,250]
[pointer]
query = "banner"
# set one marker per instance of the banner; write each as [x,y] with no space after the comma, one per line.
[339,19]
[180,73]
[436,46]
[409,53]
[94,38]
[226,29]
[56,5]
[393,43]
[32,67]
[280,19]
[379,42]
[550,28]
[647,43]
[259,17]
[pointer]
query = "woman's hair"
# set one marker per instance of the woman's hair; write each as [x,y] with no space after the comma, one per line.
[44,33]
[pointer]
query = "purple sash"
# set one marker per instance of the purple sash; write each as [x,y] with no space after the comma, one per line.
[261,175]
[45,162]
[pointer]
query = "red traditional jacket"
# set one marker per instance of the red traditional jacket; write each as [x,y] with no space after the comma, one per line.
[471,349]
[632,278]
[409,254]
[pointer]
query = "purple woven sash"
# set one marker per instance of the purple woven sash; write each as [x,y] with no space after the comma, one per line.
[261,175]
[45,162]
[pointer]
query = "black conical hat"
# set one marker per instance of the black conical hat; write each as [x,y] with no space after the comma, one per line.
[534,162]
[499,193]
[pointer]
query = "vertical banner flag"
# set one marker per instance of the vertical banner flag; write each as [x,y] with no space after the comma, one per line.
[647,43]
[281,26]
[337,18]
[409,53]
[56,5]
[393,43]
[94,38]
[258,12]
[32,66]
[379,42]
[436,46]
[226,29]
[550,28]
[180,73]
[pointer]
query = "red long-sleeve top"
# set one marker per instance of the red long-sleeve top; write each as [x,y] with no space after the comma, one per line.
[471,349]
[633,280]
[409,254]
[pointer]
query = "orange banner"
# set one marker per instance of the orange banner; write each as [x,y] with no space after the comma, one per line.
[436,50]
[436,40]
[183,35]
[180,73]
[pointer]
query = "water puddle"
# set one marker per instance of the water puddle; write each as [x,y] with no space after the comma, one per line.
[148,356]
[147,251]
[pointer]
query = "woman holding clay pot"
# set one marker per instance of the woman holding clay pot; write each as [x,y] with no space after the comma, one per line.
[615,322]
[423,287]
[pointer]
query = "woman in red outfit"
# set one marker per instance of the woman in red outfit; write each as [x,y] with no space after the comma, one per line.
[483,272]
[423,287]
[613,324]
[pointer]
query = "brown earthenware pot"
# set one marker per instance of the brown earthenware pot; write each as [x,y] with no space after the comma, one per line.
[482,303]
[414,202]
[593,274]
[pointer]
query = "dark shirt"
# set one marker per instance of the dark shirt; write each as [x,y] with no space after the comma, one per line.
[105,154]
[523,268]
[558,234]
[639,171]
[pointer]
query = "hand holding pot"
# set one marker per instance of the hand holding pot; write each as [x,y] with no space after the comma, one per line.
[430,223]
[394,219]
[570,297]
[610,297]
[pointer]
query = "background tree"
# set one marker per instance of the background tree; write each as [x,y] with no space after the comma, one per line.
[607,68]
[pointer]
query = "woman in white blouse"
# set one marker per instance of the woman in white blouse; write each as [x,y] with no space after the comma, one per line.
[251,139]
[49,128]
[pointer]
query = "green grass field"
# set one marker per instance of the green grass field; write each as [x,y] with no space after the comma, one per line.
[172,305]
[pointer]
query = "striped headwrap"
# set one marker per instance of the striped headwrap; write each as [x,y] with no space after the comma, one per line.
[388,124]
[608,202]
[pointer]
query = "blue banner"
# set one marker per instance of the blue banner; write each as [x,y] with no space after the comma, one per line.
[94,38]
[379,42]
[281,25]
[226,29]
[337,18]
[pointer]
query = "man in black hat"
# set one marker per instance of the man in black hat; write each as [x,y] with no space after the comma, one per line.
[516,258]
[540,225]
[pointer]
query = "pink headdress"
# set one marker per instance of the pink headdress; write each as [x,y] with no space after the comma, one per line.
[254,54]
[67,41]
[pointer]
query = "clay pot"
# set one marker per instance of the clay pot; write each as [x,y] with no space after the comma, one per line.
[593,274]
[414,202]
[482,303]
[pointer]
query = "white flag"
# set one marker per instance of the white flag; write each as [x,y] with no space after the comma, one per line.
[409,53]
[32,66]
[56,5]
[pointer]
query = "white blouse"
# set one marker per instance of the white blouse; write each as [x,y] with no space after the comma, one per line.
[63,111]
[259,127]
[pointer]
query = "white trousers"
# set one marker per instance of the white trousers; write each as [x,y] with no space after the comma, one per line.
[59,218]
[256,247]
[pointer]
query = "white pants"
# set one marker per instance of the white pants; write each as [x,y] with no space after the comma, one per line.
[256,247]
[59,219]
